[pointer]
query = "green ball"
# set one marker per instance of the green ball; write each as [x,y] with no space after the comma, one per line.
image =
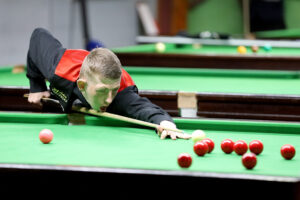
[267,47]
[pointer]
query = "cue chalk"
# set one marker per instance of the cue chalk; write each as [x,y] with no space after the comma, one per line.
[187,104]
[121,118]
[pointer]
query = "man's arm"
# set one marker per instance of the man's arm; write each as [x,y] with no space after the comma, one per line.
[43,55]
[129,103]
[38,87]
[36,79]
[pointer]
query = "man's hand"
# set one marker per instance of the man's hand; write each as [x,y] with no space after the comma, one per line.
[162,133]
[36,97]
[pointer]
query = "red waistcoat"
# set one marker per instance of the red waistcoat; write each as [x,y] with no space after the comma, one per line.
[70,64]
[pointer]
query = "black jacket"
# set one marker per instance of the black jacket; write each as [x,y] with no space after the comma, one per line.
[43,56]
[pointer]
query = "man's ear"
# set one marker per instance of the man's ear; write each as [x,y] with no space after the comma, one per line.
[81,83]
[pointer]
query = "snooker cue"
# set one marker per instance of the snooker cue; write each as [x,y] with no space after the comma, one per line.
[113,116]
[121,118]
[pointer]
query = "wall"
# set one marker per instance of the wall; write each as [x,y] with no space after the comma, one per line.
[216,15]
[292,13]
[225,16]
[114,22]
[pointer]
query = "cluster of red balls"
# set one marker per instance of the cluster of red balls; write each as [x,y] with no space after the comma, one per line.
[240,147]
[249,160]
[204,146]
[200,148]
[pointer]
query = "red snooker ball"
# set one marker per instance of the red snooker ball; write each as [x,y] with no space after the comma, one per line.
[184,160]
[288,151]
[256,146]
[46,136]
[210,143]
[249,160]
[200,148]
[227,146]
[240,147]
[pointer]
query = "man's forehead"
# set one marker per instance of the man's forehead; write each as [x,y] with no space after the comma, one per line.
[103,82]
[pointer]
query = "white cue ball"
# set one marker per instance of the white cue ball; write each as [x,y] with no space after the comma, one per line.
[198,135]
[160,47]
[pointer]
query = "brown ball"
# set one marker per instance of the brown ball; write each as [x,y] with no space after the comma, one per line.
[254,49]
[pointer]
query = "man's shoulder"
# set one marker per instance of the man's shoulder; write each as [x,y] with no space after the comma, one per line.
[129,89]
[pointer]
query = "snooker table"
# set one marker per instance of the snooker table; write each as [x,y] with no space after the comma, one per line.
[110,158]
[209,56]
[235,94]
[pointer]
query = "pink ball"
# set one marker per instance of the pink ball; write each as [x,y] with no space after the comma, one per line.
[46,136]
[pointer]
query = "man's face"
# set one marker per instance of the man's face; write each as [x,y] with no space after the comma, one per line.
[100,92]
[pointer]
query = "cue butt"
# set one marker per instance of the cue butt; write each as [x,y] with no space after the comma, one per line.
[46,99]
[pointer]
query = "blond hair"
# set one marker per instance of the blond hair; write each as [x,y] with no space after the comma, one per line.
[101,61]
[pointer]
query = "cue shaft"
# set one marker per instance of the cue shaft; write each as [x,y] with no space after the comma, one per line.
[113,116]
[121,118]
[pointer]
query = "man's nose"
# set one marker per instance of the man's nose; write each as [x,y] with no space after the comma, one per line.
[109,98]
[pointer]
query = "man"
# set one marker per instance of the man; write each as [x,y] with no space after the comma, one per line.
[93,79]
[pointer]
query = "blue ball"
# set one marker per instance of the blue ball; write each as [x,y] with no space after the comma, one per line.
[92,44]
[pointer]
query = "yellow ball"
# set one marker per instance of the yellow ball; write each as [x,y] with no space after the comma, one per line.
[242,49]
[198,135]
[160,47]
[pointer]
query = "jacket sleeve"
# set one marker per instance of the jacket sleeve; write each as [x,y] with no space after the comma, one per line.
[36,79]
[129,103]
[43,56]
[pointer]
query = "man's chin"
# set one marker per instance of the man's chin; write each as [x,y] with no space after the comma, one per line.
[97,109]
[100,109]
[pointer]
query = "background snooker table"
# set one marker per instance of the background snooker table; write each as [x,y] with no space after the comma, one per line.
[209,56]
[103,155]
[247,94]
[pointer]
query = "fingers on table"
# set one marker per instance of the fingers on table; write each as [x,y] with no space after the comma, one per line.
[184,135]
[163,134]
[174,135]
